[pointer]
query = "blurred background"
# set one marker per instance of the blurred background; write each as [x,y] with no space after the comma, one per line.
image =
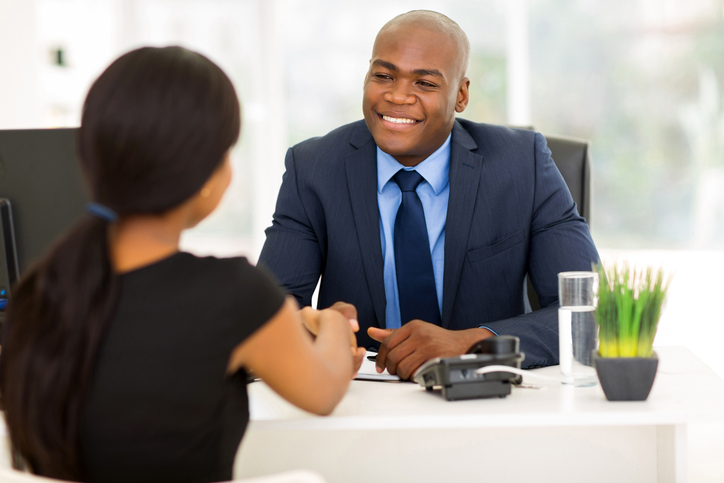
[641,79]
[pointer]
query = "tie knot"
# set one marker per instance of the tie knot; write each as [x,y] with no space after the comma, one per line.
[408,180]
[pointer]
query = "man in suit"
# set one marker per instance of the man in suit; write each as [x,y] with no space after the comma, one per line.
[437,265]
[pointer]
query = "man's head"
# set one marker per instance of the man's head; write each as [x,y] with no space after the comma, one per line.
[415,84]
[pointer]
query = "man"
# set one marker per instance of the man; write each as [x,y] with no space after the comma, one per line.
[447,245]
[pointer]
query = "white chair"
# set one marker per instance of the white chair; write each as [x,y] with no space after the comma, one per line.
[12,476]
[296,476]
[9,475]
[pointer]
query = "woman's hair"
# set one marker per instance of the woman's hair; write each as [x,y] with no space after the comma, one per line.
[155,126]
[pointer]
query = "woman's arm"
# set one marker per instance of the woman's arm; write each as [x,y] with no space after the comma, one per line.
[312,374]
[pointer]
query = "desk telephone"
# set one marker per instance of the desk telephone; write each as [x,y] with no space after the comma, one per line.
[457,376]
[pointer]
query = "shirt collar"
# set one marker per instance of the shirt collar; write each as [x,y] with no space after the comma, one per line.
[435,168]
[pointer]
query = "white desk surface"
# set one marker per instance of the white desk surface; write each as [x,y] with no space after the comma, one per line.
[398,432]
[685,390]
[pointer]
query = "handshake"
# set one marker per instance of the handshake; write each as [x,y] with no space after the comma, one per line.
[402,351]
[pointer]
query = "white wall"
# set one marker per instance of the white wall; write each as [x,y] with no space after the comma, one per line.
[19,103]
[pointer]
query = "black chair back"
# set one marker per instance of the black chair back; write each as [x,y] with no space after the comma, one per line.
[573,159]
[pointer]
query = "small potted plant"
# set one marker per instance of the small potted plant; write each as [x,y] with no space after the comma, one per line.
[628,312]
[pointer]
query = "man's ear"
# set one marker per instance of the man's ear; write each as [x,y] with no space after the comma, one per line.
[463,95]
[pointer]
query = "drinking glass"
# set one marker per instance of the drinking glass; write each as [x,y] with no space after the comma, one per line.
[577,329]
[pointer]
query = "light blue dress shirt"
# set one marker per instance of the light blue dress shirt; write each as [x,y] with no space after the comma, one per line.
[434,193]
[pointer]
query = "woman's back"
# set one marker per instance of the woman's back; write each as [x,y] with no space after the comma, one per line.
[119,351]
[159,406]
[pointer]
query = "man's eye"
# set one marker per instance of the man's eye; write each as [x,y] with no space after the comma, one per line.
[427,84]
[383,76]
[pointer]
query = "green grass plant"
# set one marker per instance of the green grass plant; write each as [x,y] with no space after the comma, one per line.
[629,307]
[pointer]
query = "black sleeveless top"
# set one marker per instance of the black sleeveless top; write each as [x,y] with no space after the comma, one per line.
[161,406]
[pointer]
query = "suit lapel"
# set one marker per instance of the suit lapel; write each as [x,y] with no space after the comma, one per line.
[361,166]
[465,169]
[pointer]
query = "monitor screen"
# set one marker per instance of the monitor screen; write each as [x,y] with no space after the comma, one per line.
[42,179]
[8,258]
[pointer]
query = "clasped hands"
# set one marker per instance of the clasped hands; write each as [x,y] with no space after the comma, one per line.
[313,319]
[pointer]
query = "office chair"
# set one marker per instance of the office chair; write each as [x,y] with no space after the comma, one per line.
[573,159]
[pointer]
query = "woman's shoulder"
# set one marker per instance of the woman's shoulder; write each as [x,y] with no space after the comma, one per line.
[184,262]
[232,269]
[208,275]
[208,286]
[210,262]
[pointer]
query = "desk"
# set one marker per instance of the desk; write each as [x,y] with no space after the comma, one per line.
[398,432]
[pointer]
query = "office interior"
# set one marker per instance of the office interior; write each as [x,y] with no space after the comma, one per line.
[643,80]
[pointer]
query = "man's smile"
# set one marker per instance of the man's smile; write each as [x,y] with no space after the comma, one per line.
[399,120]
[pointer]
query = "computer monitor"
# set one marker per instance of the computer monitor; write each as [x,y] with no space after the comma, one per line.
[42,179]
[8,254]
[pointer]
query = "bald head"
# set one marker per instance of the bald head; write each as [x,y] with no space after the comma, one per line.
[415,84]
[434,22]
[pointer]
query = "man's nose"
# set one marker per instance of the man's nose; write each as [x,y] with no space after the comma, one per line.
[399,94]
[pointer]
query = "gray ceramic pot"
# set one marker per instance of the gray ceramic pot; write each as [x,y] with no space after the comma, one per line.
[626,378]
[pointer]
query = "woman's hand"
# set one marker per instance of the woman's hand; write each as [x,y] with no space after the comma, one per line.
[358,353]
[314,319]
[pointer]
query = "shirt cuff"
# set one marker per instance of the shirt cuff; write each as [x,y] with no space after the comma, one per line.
[491,330]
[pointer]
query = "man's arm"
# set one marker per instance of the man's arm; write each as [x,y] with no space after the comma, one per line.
[291,250]
[560,241]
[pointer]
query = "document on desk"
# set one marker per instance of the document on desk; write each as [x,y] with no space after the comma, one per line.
[367,371]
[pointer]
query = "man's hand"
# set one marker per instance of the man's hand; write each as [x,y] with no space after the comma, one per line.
[405,349]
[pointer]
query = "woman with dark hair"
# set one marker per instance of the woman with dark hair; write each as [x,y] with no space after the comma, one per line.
[121,357]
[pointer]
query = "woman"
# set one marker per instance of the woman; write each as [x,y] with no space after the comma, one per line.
[121,358]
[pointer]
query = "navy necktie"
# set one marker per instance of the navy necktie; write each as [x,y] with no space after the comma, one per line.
[413,262]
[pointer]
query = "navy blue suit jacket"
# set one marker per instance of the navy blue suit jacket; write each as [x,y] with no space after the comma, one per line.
[509,213]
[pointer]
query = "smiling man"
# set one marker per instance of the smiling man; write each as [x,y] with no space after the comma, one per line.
[425,222]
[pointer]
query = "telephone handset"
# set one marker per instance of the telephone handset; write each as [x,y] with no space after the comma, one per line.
[457,376]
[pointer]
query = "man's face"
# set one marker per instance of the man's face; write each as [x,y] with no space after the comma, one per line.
[412,90]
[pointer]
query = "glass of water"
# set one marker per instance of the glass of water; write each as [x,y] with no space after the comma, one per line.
[577,329]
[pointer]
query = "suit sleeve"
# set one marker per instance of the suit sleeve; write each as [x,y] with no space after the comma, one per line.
[560,241]
[292,251]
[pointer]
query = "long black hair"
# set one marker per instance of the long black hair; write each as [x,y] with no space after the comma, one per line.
[155,125]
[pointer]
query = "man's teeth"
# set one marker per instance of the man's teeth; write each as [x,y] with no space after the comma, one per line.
[398,120]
